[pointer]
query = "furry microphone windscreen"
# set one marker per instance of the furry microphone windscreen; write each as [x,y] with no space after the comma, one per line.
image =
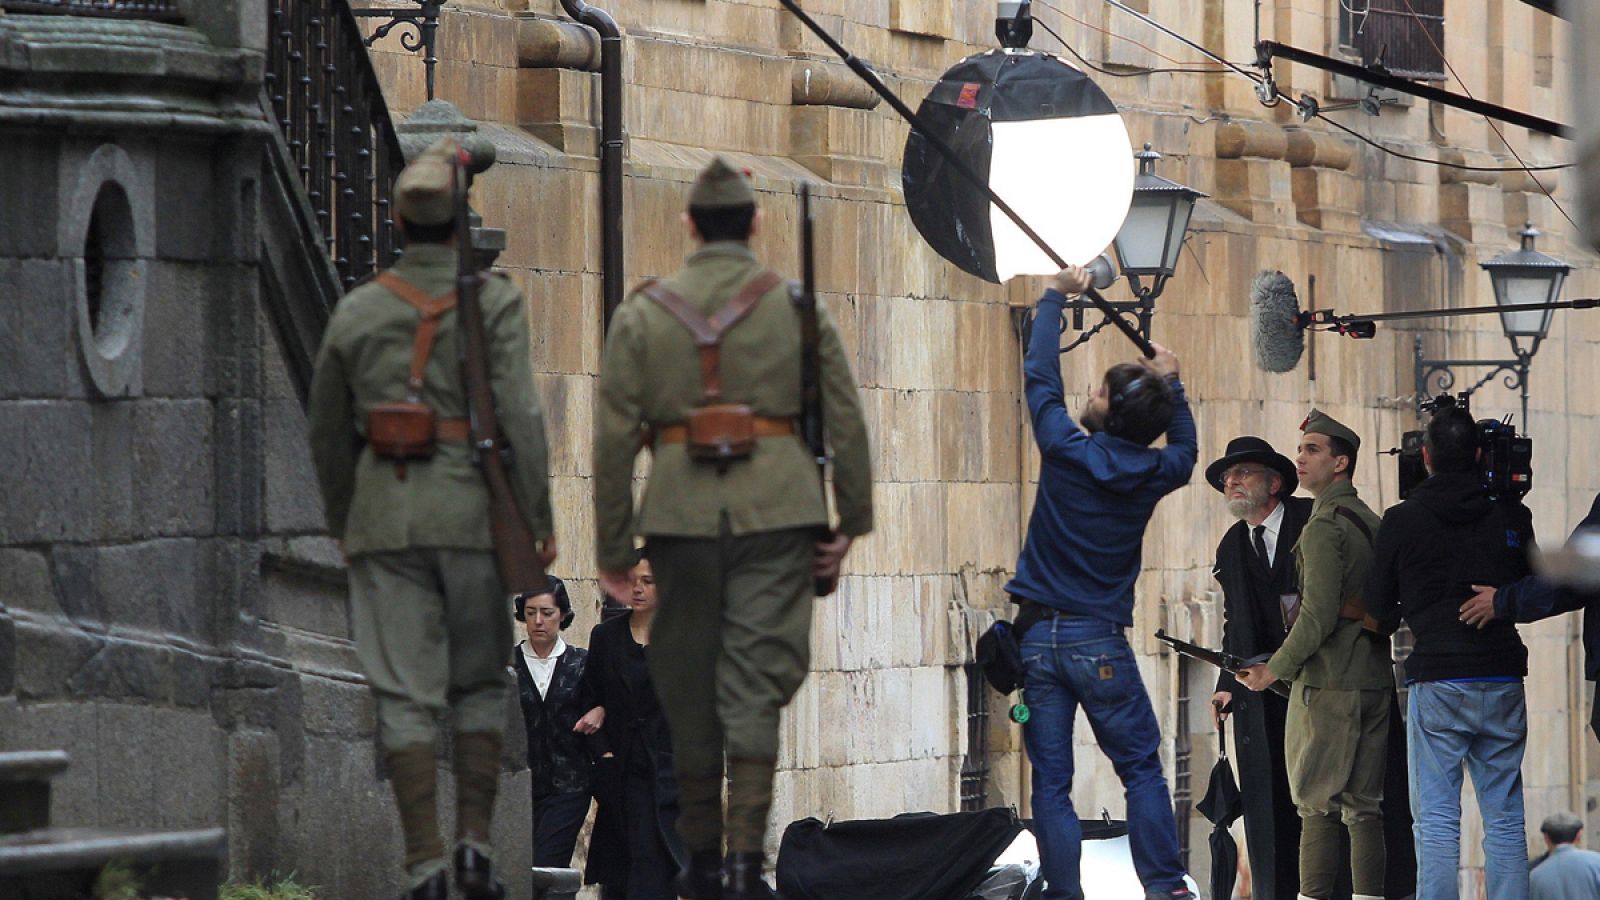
[1275,329]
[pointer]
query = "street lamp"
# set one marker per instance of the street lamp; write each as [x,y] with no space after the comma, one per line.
[1526,282]
[1526,277]
[1150,240]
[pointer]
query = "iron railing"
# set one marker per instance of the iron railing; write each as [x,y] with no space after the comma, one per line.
[975,764]
[155,10]
[326,98]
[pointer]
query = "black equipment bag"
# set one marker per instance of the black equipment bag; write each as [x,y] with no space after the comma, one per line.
[999,654]
[916,856]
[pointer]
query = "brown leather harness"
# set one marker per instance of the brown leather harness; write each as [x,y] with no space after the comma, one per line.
[411,429]
[716,431]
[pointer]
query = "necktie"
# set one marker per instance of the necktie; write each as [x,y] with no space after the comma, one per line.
[1261,545]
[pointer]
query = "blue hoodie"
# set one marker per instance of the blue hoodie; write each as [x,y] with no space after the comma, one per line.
[1096,491]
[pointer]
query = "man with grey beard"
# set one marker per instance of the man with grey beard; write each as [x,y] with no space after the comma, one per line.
[1256,569]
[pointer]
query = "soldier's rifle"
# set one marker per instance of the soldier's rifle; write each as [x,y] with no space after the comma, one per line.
[865,73]
[1219,658]
[811,424]
[516,549]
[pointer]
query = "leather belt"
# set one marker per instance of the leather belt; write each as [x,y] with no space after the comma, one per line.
[761,426]
[458,431]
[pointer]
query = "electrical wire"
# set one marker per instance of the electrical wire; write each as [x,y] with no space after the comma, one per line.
[1111,34]
[1494,126]
[1278,94]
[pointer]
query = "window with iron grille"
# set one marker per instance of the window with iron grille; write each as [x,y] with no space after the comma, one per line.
[1402,37]
[975,766]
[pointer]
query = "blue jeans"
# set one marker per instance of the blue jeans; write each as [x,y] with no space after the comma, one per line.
[1075,662]
[1484,725]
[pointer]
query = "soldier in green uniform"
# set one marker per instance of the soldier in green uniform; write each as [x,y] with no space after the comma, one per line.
[734,540]
[1336,733]
[428,610]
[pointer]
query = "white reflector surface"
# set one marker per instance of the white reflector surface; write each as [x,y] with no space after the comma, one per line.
[1070,179]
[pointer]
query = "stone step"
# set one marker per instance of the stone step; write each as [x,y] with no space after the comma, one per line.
[63,863]
[25,788]
[556,884]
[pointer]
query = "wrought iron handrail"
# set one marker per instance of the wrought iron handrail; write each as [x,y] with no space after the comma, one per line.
[328,103]
[155,10]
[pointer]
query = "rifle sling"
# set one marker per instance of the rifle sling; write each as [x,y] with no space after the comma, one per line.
[1355,609]
[708,332]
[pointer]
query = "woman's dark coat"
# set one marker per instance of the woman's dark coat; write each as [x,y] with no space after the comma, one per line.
[1253,625]
[558,758]
[633,724]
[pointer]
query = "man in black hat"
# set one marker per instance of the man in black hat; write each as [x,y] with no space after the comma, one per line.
[1260,598]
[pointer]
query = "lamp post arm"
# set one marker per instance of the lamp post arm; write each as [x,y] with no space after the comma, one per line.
[866,74]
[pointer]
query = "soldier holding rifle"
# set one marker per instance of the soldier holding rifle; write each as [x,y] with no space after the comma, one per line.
[434,547]
[705,367]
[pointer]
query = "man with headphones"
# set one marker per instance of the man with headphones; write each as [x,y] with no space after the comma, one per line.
[1099,482]
[558,720]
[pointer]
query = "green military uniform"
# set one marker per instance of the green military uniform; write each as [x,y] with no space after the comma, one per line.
[427,605]
[731,546]
[1336,734]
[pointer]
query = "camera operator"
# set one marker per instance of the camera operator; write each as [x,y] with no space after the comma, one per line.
[1466,703]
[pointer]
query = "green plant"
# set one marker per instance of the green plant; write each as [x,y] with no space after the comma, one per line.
[117,881]
[273,889]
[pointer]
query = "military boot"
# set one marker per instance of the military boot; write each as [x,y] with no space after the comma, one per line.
[477,767]
[744,878]
[702,878]
[475,875]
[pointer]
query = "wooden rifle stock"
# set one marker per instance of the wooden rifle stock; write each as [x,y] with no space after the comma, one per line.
[516,549]
[811,426]
[1222,660]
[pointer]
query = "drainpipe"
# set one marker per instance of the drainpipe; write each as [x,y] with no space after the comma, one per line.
[611,144]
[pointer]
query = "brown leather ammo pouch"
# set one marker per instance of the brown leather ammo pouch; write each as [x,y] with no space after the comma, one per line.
[724,431]
[409,429]
[715,431]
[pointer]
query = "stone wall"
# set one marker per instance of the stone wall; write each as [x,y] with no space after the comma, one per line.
[936,351]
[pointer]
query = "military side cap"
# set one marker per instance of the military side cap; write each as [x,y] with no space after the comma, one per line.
[721,185]
[1320,422]
[423,194]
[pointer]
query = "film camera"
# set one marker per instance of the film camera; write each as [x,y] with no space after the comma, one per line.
[1506,466]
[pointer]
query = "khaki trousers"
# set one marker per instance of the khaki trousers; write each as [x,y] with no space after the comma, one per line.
[730,645]
[1336,748]
[432,629]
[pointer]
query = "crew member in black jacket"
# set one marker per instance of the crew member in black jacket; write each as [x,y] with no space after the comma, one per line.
[558,720]
[1255,567]
[1466,705]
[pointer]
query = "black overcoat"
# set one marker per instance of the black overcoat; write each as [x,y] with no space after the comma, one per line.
[633,724]
[1253,625]
[558,758]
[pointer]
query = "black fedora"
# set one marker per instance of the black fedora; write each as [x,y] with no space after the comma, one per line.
[1251,449]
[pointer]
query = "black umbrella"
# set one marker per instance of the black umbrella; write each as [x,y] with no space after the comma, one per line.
[1045,138]
[1222,806]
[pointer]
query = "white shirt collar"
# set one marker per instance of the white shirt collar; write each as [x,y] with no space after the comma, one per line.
[543,668]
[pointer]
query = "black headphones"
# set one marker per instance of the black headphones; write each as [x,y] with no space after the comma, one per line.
[557,590]
[1138,385]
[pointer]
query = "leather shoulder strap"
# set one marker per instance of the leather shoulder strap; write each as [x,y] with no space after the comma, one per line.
[1356,520]
[431,309]
[708,332]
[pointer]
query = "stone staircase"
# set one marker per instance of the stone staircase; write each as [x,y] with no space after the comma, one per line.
[41,862]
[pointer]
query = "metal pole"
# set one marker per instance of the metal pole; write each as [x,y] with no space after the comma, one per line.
[960,165]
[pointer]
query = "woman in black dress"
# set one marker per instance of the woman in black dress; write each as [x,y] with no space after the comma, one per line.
[635,851]
[549,687]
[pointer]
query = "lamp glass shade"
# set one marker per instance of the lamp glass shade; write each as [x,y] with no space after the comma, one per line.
[1528,287]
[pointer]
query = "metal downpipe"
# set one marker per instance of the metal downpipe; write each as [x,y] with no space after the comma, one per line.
[611,146]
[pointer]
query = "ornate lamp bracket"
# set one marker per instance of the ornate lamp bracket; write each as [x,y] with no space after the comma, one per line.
[423,38]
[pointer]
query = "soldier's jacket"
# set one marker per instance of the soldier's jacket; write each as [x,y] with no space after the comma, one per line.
[365,360]
[651,375]
[1323,650]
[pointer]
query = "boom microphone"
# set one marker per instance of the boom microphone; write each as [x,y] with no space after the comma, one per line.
[1277,329]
